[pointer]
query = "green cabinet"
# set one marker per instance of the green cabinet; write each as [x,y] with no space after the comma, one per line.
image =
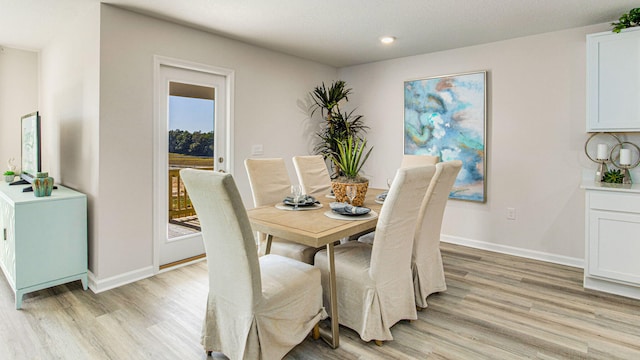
[43,239]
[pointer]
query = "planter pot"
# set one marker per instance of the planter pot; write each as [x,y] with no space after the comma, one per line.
[9,178]
[339,190]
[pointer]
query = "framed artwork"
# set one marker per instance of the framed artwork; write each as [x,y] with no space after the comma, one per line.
[446,116]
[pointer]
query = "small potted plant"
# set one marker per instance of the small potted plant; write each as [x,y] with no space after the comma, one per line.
[349,158]
[9,175]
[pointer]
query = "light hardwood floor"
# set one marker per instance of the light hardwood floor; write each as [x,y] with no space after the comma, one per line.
[496,307]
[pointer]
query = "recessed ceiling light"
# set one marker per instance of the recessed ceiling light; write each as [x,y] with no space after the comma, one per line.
[387,39]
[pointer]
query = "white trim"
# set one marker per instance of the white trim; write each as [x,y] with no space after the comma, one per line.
[510,250]
[100,285]
[229,75]
[613,287]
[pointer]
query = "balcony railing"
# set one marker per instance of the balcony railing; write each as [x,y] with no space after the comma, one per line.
[179,203]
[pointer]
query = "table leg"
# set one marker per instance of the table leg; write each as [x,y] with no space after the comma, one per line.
[268,244]
[334,340]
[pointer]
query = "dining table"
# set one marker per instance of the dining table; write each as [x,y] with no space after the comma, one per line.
[312,227]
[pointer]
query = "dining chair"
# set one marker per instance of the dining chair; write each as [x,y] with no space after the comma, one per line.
[374,283]
[257,308]
[407,161]
[418,160]
[313,175]
[426,259]
[270,184]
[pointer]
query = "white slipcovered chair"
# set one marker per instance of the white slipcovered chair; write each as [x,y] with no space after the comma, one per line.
[418,160]
[374,283]
[270,184]
[407,161]
[256,308]
[313,175]
[426,261]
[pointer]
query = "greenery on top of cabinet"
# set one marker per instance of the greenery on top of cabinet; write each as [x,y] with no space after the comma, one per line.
[630,19]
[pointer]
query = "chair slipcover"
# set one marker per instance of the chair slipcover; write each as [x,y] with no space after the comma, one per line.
[407,161]
[313,175]
[374,283]
[418,160]
[426,262]
[256,308]
[270,184]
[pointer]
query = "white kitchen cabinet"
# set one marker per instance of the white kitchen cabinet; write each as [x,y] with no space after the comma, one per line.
[613,81]
[43,240]
[612,259]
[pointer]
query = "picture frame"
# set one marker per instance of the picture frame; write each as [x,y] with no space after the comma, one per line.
[446,116]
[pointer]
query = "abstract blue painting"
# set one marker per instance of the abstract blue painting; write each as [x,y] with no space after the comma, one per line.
[445,116]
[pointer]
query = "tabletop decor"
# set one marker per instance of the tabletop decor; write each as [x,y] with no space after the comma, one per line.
[10,174]
[346,209]
[42,184]
[350,158]
[623,160]
[337,124]
[446,116]
[605,140]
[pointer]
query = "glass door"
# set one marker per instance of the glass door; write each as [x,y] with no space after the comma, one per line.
[191,134]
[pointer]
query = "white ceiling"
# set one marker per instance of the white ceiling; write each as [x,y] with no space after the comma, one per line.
[334,32]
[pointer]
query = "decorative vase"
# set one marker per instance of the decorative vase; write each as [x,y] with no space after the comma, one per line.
[42,184]
[339,190]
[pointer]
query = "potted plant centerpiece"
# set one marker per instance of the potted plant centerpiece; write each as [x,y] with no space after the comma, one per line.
[337,125]
[349,159]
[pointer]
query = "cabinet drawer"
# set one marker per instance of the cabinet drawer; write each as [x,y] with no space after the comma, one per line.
[610,201]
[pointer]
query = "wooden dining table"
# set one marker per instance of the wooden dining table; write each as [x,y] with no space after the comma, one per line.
[313,228]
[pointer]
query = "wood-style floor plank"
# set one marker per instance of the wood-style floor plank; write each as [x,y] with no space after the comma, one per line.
[496,307]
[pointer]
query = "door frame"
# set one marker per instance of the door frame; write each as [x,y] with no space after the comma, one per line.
[159,191]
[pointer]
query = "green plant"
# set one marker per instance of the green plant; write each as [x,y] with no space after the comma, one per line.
[338,125]
[630,19]
[613,176]
[9,173]
[350,157]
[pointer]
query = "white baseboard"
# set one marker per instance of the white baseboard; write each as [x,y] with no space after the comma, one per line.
[510,250]
[100,285]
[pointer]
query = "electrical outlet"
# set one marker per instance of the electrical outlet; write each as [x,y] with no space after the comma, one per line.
[257,150]
[511,213]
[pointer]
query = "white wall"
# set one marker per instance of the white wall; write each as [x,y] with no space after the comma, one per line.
[269,88]
[70,88]
[536,134]
[98,92]
[18,97]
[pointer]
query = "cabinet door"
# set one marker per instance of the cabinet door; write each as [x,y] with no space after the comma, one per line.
[613,81]
[614,246]
[7,237]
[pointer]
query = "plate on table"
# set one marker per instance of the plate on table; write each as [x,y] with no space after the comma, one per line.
[345,209]
[304,201]
[283,206]
[381,197]
[333,215]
